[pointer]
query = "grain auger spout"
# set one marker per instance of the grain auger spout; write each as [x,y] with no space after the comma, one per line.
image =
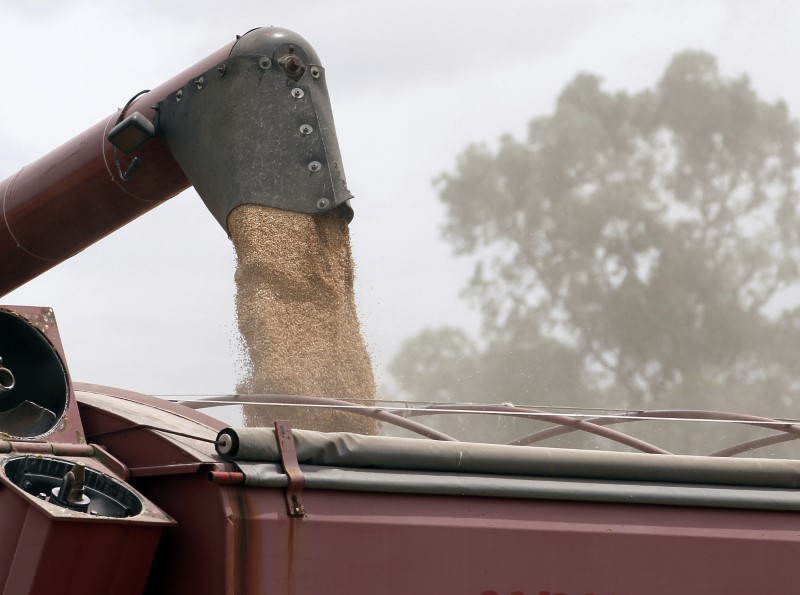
[251,123]
[258,129]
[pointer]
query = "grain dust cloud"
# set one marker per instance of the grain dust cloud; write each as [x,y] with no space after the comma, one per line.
[297,316]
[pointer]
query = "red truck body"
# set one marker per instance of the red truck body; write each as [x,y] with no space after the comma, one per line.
[395,530]
[182,504]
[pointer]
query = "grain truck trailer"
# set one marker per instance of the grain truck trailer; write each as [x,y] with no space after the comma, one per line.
[105,490]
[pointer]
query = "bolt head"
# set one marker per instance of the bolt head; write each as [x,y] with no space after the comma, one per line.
[323,203]
[315,72]
[293,65]
[315,166]
[179,95]
[297,93]
[306,129]
[265,63]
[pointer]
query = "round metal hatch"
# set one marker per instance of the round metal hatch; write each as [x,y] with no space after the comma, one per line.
[104,495]
[34,388]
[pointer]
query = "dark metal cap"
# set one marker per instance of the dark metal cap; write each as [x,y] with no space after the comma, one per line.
[274,42]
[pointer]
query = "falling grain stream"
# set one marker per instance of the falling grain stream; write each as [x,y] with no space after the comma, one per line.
[297,316]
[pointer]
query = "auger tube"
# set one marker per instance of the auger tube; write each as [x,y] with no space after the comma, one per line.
[87,188]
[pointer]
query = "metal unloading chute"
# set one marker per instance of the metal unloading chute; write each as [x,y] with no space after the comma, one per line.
[258,129]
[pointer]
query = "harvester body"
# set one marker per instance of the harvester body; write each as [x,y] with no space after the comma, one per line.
[110,491]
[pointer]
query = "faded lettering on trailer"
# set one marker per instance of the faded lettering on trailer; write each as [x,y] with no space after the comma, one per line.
[533,592]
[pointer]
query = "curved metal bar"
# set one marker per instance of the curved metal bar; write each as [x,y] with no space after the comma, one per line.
[750,420]
[379,414]
[565,424]
[753,445]
[548,433]
[562,420]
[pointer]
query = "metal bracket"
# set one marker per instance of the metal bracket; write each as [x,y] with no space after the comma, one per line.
[283,435]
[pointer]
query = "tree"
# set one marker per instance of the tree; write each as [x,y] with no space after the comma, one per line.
[634,251]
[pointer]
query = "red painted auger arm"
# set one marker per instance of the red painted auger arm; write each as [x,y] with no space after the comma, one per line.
[73,196]
[251,123]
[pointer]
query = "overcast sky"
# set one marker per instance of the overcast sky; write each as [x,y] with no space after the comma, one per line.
[150,308]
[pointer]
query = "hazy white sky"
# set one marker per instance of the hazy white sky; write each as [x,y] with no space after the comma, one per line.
[150,308]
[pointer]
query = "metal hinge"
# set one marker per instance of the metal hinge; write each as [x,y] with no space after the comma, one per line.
[285,439]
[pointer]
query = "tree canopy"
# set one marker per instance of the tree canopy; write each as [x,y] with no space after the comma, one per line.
[634,250]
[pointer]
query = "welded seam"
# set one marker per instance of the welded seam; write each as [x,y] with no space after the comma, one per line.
[8,224]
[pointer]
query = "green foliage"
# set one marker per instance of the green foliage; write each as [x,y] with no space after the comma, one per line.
[631,251]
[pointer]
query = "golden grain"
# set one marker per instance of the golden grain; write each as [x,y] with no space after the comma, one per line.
[297,315]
